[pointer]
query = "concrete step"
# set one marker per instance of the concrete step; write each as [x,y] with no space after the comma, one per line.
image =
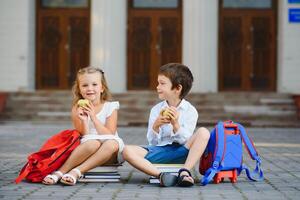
[254,108]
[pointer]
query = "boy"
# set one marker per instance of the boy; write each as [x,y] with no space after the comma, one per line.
[170,130]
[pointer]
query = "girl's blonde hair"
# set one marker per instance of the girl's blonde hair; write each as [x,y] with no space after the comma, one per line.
[106,95]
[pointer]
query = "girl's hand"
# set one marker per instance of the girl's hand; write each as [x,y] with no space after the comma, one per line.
[174,116]
[89,109]
[80,120]
[160,120]
[82,115]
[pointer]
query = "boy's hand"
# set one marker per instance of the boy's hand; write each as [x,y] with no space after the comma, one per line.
[160,120]
[174,115]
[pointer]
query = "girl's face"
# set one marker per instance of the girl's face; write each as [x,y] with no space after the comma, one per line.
[164,88]
[90,86]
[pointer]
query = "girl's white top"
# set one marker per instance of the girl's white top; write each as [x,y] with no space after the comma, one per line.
[105,112]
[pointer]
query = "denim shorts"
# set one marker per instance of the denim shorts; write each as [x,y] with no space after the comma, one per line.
[168,154]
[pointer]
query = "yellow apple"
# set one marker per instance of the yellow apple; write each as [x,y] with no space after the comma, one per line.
[82,102]
[165,113]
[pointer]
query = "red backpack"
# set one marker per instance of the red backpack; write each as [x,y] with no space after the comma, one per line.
[50,157]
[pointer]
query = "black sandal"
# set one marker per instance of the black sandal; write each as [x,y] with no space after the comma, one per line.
[167,179]
[183,182]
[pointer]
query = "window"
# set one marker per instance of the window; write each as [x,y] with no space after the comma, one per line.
[155,3]
[259,4]
[65,3]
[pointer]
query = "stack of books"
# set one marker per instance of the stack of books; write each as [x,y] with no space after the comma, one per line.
[171,168]
[107,173]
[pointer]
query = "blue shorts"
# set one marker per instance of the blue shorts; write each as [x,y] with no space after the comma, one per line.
[168,154]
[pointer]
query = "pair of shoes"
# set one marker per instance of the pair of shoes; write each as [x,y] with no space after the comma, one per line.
[64,179]
[54,177]
[167,179]
[185,180]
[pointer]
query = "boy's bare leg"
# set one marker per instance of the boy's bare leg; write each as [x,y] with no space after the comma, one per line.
[135,156]
[196,145]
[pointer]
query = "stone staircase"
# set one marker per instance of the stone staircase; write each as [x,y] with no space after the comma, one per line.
[250,109]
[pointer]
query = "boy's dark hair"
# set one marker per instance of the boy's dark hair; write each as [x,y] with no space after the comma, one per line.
[179,74]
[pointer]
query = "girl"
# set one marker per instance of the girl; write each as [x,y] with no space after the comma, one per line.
[96,122]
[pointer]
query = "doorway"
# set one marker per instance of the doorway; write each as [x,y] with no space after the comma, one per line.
[154,38]
[62,41]
[247,45]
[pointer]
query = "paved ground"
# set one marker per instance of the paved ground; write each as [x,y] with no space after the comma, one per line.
[279,149]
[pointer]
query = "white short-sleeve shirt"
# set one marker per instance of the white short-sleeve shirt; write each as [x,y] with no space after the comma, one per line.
[105,112]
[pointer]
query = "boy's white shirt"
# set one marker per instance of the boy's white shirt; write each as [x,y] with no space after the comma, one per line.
[188,117]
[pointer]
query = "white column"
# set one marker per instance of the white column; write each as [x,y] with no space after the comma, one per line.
[17,49]
[200,37]
[288,51]
[108,41]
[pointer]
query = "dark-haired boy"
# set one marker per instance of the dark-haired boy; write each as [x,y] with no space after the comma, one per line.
[170,133]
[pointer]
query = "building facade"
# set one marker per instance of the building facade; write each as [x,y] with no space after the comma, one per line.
[229,45]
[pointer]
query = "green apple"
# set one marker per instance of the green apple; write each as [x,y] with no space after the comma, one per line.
[82,102]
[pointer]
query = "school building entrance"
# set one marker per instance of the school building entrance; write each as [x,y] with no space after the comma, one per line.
[62,42]
[246,42]
[154,38]
[247,45]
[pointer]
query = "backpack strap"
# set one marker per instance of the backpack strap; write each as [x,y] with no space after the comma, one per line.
[24,172]
[219,153]
[257,173]
[28,167]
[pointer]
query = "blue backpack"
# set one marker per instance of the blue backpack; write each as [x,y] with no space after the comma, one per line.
[224,154]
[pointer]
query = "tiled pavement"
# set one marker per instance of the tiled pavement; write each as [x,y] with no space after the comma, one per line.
[279,149]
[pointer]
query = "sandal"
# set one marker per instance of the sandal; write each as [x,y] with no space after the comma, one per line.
[64,178]
[182,181]
[55,176]
[167,179]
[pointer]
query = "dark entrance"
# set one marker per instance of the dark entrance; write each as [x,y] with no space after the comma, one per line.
[62,41]
[153,38]
[247,45]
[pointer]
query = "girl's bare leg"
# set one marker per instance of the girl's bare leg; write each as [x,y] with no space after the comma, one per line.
[107,153]
[79,155]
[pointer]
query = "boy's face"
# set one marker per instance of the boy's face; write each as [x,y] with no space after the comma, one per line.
[164,88]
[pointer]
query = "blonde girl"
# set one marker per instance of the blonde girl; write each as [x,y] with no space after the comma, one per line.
[96,122]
